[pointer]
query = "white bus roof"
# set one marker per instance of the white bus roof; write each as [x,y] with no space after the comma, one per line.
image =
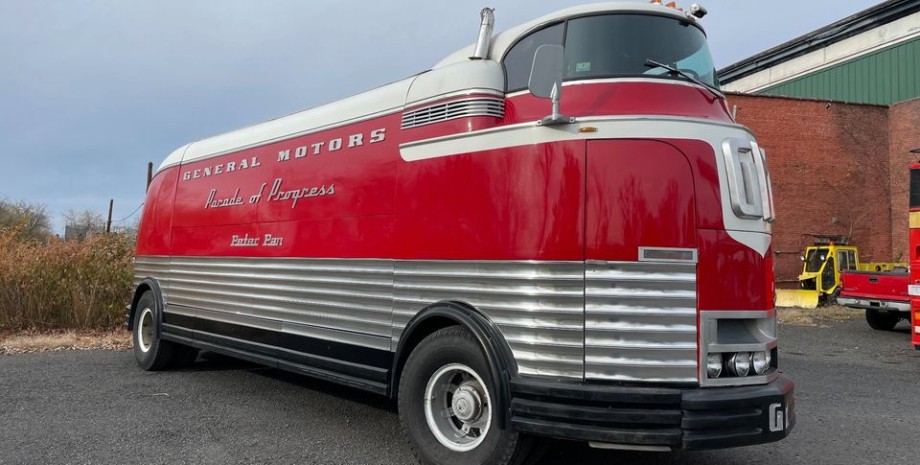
[379,101]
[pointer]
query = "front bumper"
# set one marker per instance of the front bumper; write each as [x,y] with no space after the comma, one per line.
[655,418]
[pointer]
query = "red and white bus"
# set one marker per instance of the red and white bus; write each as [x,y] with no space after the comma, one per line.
[557,231]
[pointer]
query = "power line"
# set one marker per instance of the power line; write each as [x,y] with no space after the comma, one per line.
[132,213]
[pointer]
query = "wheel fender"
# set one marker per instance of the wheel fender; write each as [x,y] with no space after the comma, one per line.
[499,357]
[146,284]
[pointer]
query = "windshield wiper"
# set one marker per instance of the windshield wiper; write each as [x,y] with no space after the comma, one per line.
[654,64]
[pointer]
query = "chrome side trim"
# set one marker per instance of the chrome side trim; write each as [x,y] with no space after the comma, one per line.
[640,321]
[667,254]
[463,108]
[538,306]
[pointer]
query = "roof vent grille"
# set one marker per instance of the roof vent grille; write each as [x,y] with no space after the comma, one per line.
[478,106]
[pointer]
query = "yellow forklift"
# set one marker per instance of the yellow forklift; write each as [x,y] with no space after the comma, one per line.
[822,264]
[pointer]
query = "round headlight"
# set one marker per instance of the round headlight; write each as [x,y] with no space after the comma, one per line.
[740,364]
[761,362]
[713,365]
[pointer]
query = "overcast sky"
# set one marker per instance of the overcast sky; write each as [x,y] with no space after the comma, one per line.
[91,90]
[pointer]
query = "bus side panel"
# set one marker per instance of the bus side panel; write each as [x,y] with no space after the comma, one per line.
[732,275]
[328,194]
[519,203]
[640,193]
[155,232]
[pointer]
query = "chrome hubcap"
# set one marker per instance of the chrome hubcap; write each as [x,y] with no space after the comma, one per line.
[457,407]
[466,403]
[145,330]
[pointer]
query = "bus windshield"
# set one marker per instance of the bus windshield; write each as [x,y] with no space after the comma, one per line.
[619,45]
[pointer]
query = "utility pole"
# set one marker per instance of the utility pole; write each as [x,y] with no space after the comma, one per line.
[108,223]
[149,173]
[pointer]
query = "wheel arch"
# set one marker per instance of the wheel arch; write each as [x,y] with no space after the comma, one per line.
[147,284]
[499,357]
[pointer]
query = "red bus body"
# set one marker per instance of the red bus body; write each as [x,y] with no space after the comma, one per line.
[604,261]
[914,255]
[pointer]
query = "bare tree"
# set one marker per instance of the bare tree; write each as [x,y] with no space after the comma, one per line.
[82,224]
[30,219]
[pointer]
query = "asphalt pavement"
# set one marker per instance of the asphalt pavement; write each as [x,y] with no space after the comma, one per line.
[858,402]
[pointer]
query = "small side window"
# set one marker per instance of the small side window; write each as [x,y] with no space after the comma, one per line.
[843,260]
[519,60]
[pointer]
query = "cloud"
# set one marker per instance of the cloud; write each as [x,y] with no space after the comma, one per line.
[93,90]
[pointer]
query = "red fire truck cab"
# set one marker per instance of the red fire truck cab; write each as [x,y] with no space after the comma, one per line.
[557,231]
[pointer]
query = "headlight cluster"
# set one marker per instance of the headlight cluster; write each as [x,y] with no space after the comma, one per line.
[739,364]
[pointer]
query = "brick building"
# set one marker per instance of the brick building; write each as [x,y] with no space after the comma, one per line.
[838,111]
[837,168]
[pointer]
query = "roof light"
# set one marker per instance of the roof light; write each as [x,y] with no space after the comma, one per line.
[656,2]
[698,10]
[671,5]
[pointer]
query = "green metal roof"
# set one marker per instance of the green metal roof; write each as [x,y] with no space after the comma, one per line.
[883,77]
[858,23]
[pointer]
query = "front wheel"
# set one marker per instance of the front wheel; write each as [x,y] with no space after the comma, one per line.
[882,321]
[150,350]
[447,407]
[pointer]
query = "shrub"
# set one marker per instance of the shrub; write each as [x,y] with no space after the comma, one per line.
[64,284]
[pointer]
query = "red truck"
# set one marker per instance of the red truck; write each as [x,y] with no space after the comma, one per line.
[882,294]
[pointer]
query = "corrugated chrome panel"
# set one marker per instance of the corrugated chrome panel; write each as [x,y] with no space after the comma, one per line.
[640,321]
[151,266]
[538,306]
[465,108]
[346,301]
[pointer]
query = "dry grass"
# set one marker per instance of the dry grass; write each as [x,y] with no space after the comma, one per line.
[821,316]
[64,340]
[64,285]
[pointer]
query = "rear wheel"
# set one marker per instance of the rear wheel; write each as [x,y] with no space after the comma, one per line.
[150,350]
[882,321]
[447,407]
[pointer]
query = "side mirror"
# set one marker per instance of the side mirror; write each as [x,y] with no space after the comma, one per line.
[546,80]
[546,72]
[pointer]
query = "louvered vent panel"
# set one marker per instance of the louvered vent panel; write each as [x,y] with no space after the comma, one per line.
[480,106]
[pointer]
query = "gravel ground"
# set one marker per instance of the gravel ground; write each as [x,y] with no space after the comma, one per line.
[857,392]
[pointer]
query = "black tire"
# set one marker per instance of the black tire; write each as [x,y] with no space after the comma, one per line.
[151,352]
[882,321]
[453,346]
